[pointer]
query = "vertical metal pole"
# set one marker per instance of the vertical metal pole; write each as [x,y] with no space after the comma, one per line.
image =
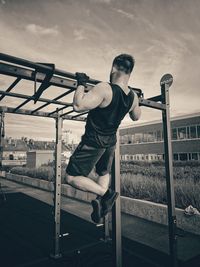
[169,176]
[57,187]
[116,211]
[106,228]
[1,139]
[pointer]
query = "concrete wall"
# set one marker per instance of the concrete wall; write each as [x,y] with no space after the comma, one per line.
[144,209]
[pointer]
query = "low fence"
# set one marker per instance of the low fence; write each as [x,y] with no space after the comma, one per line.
[144,209]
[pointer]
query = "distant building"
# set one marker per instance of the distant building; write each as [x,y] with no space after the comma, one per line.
[14,152]
[37,158]
[70,138]
[145,141]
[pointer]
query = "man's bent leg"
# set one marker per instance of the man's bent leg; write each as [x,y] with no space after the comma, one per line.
[104,181]
[85,184]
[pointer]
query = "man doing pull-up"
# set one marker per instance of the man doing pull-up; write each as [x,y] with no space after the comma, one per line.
[108,103]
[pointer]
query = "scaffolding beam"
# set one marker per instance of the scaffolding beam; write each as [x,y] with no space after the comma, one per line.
[38,114]
[28,97]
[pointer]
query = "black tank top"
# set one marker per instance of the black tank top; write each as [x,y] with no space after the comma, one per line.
[102,123]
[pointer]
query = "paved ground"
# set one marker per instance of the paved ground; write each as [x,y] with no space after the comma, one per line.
[148,241]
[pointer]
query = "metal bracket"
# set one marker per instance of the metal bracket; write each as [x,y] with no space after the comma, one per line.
[45,83]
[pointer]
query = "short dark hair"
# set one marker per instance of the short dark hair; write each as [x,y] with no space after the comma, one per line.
[124,62]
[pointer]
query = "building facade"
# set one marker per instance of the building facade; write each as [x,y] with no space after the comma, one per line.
[145,141]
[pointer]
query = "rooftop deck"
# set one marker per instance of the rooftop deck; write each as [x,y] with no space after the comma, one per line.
[27,235]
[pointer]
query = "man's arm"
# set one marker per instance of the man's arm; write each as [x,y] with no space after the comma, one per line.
[84,101]
[135,111]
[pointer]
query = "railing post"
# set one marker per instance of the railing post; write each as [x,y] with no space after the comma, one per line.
[57,188]
[116,211]
[166,82]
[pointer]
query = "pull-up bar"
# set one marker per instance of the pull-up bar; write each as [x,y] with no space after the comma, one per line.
[36,72]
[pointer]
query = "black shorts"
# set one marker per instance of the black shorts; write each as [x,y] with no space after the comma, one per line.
[85,158]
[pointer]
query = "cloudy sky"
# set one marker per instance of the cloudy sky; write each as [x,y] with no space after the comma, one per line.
[85,35]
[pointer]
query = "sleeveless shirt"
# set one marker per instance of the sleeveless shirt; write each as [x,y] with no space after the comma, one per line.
[102,123]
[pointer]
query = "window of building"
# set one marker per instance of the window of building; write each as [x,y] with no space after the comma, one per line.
[183,156]
[151,137]
[129,139]
[145,137]
[198,131]
[182,134]
[138,138]
[189,156]
[11,157]
[147,157]
[193,132]
[159,135]
[175,156]
[188,132]
[194,156]
[122,139]
[174,134]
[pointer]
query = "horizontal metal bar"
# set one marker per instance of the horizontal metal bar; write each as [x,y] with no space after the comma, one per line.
[76,116]
[32,98]
[11,87]
[40,67]
[27,74]
[57,110]
[66,81]
[56,98]
[37,114]
[157,98]
[151,104]
[66,113]
[22,104]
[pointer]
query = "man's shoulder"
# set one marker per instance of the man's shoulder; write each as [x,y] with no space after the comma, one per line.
[104,89]
[102,85]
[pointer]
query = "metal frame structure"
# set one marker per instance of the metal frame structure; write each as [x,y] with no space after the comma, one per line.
[46,75]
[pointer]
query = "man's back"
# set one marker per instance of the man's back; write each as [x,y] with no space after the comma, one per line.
[103,122]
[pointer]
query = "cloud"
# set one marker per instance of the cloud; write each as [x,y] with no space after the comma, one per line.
[39,30]
[79,34]
[102,1]
[125,14]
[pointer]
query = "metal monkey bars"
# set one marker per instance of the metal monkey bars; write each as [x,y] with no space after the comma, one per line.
[46,75]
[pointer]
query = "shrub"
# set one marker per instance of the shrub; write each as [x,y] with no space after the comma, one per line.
[44,173]
[143,180]
[148,183]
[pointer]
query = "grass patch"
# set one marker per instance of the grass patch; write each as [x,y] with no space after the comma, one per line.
[147,181]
